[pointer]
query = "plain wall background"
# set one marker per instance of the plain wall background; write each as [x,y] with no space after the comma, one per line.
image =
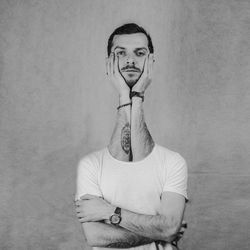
[57,105]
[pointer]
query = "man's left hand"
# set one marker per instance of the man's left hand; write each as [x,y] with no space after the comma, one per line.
[93,208]
[146,75]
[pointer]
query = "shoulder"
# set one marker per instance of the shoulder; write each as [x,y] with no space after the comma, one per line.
[176,172]
[91,160]
[167,155]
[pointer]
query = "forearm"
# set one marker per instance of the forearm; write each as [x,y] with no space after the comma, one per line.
[157,227]
[99,234]
[120,143]
[141,139]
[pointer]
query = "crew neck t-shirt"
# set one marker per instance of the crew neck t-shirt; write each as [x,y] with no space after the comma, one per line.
[135,186]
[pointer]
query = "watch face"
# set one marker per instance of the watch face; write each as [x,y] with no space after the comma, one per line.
[115,219]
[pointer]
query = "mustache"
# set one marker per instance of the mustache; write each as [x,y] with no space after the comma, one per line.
[128,67]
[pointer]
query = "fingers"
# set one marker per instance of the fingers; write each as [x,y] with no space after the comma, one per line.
[78,209]
[145,67]
[85,219]
[80,203]
[82,218]
[147,64]
[116,70]
[81,211]
[150,65]
[116,66]
[80,214]
[88,197]
[117,75]
[112,63]
[107,65]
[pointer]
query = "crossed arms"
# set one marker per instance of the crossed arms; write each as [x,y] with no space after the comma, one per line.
[135,229]
[131,140]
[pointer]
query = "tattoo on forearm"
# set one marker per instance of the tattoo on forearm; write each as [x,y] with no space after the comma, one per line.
[137,241]
[126,138]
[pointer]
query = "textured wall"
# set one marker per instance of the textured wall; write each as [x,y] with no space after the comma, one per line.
[57,105]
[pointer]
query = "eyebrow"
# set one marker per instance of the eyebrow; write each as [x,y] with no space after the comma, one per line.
[144,48]
[119,47]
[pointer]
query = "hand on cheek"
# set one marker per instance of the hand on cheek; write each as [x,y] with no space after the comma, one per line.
[112,64]
[146,75]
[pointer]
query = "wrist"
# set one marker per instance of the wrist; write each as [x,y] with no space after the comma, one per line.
[134,94]
[136,100]
[124,98]
[116,218]
[109,212]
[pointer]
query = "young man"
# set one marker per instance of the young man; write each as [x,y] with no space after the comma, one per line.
[131,193]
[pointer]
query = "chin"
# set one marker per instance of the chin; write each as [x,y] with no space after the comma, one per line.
[131,78]
[131,82]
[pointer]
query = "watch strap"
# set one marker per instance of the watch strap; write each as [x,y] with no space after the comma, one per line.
[138,94]
[117,210]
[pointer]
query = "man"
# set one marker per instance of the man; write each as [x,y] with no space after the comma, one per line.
[131,193]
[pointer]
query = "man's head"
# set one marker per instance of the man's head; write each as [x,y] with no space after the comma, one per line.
[132,44]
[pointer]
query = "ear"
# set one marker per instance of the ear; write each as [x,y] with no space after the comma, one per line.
[151,62]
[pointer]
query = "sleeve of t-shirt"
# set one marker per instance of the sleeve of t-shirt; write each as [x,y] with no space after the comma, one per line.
[176,179]
[87,178]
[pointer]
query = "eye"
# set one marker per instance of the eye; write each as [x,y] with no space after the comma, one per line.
[121,53]
[140,53]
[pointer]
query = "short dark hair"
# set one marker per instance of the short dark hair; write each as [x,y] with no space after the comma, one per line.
[129,28]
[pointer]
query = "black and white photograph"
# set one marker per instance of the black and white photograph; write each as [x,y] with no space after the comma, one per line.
[124,124]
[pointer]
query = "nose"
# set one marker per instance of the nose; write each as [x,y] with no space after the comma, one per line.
[130,60]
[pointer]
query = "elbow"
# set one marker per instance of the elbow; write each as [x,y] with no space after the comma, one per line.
[93,241]
[170,231]
[91,235]
[90,240]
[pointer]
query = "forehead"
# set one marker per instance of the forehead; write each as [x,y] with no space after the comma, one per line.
[130,41]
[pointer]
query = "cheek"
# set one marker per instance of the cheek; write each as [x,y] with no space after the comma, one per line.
[122,62]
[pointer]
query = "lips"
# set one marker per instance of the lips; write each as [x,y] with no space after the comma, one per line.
[131,70]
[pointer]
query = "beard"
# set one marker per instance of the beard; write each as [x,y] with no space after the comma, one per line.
[131,82]
[130,78]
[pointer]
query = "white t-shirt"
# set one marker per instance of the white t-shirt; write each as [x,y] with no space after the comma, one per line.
[135,186]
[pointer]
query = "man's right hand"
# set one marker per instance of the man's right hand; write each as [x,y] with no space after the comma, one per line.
[112,65]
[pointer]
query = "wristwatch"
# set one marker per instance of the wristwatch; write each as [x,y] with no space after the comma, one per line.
[116,218]
[139,94]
